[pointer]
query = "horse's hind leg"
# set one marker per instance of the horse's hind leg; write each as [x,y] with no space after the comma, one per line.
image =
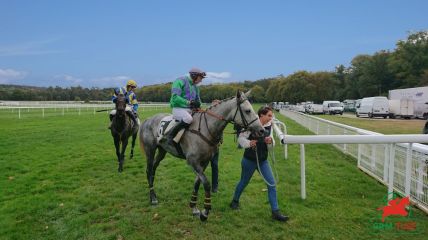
[151,173]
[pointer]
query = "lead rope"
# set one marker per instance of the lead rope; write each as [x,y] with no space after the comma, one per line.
[258,167]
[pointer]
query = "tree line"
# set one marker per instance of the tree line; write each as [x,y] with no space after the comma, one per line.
[368,75]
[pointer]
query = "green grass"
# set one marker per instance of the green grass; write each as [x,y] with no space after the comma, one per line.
[380,125]
[59,180]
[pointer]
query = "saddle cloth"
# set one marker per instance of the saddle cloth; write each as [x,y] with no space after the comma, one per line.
[165,126]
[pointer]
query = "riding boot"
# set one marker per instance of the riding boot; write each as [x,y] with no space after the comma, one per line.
[276,215]
[175,130]
[234,204]
[133,118]
[111,121]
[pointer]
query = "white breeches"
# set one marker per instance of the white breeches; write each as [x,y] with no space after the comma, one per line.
[127,109]
[184,114]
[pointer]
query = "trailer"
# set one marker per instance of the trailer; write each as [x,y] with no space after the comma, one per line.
[403,108]
[419,96]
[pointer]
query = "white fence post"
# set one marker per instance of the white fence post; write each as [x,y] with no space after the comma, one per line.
[19,113]
[391,171]
[408,170]
[386,163]
[373,157]
[302,171]
[344,145]
[359,155]
[43,112]
[420,182]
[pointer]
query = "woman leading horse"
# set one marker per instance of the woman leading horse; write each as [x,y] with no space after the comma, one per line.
[198,143]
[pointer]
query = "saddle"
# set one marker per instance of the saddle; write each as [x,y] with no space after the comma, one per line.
[165,126]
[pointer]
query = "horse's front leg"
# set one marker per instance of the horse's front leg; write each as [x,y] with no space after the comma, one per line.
[207,202]
[134,136]
[122,154]
[194,198]
[117,146]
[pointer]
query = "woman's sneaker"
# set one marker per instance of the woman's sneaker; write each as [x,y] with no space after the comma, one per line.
[234,205]
[276,215]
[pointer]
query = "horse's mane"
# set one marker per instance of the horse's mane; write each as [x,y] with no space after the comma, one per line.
[221,101]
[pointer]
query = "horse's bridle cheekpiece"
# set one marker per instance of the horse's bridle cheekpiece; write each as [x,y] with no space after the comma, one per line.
[245,123]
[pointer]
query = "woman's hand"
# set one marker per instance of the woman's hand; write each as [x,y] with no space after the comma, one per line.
[268,140]
[253,143]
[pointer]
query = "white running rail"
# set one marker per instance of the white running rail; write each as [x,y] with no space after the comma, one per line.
[398,161]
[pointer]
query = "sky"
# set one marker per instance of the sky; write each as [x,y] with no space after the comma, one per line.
[101,44]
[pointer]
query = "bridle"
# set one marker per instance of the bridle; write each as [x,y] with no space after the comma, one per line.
[245,124]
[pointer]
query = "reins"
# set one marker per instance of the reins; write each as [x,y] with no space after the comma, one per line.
[203,114]
[273,166]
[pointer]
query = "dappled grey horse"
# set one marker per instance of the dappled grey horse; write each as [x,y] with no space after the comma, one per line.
[122,128]
[198,144]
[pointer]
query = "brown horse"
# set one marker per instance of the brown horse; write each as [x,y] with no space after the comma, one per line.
[122,128]
[198,144]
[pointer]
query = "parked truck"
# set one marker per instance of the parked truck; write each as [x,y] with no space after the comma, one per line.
[419,96]
[403,108]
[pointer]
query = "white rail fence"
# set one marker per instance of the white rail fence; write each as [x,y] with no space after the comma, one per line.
[397,161]
[30,109]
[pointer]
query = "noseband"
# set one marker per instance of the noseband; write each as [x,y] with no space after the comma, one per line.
[245,124]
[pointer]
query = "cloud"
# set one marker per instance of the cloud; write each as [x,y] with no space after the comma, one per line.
[10,75]
[29,48]
[221,75]
[68,79]
[113,81]
[217,78]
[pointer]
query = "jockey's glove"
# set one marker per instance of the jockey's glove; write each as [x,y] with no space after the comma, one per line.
[194,104]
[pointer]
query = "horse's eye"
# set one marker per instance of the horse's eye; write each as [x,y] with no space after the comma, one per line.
[248,111]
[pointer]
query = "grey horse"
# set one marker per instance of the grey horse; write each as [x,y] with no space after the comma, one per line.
[198,143]
[122,128]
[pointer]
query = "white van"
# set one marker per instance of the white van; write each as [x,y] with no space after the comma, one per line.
[373,107]
[332,107]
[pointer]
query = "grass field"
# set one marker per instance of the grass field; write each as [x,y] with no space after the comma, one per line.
[59,180]
[380,125]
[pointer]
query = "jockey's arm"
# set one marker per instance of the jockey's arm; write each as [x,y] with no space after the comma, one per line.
[133,101]
[176,91]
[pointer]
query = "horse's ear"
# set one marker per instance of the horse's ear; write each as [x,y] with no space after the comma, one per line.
[238,94]
[248,93]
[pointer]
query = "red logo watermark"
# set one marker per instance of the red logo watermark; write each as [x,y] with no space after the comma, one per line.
[395,207]
[396,216]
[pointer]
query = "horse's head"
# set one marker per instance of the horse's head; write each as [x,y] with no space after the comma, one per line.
[244,115]
[120,104]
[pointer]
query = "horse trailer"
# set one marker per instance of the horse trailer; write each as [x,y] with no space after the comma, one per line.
[419,96]
[403,108]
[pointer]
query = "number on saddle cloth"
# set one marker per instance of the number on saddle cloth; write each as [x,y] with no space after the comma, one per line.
[165,125]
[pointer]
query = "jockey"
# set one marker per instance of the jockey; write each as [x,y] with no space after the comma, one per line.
[185,97]
[131,100]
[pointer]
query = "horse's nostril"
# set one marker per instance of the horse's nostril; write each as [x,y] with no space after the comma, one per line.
[262,130]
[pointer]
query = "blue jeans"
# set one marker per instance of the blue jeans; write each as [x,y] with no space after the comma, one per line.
[214,168]
[248,168]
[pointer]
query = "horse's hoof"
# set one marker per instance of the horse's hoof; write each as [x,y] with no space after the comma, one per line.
[203,217]
[196,212]
[154,202]
[120,170]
